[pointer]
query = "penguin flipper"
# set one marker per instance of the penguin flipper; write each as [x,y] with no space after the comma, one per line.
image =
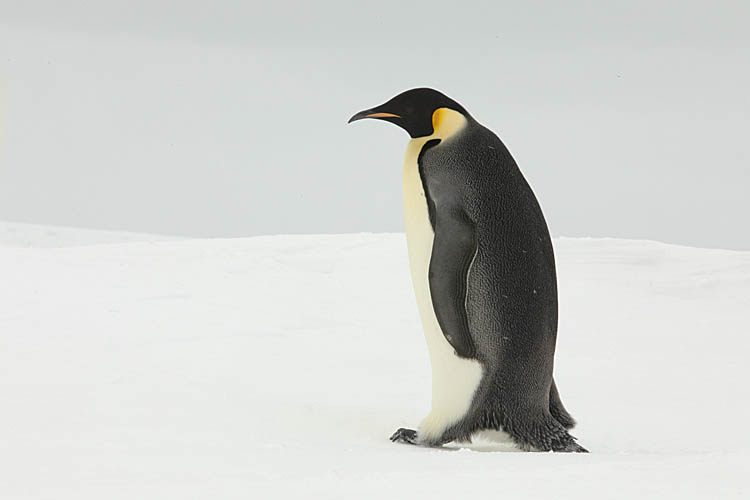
[453,250]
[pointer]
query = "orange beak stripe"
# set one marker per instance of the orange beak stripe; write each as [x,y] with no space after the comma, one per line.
[382,115]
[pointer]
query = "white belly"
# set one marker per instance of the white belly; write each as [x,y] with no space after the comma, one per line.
[454,380]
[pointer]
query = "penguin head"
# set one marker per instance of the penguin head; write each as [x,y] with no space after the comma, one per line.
[413,110]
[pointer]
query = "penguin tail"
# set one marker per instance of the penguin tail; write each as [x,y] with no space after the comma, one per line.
[560,441]
[557,410]
[540,432]
[572,447]
[579,449]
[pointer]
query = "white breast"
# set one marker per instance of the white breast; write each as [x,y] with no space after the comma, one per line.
[454,380]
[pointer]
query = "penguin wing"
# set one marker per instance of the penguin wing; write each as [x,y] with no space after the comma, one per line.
[453,250]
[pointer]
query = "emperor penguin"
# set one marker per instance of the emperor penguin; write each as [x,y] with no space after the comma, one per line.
[483,270]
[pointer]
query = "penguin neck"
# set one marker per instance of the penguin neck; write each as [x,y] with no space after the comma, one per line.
[446,123]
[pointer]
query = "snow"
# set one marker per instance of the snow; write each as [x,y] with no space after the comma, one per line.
[277,367]
[37,235]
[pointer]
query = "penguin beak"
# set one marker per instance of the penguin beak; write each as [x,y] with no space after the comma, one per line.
[372,113]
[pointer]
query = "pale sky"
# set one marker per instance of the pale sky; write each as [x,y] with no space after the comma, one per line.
[229,118]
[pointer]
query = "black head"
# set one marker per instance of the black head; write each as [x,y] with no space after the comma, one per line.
[412,110]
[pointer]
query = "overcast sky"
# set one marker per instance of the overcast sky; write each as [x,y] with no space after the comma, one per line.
[229,118]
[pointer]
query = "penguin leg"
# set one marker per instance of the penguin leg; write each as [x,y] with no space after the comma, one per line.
[406,436]
[557,410]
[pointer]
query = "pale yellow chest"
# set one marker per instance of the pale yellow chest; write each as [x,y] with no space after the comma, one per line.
[419,233]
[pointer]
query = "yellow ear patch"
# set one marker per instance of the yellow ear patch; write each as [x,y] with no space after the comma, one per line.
[438,117]
[446,122]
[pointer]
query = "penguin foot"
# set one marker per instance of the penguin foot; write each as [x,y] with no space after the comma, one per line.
[406,436]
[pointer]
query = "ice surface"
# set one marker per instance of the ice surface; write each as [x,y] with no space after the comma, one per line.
[36,235]
[277,367]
